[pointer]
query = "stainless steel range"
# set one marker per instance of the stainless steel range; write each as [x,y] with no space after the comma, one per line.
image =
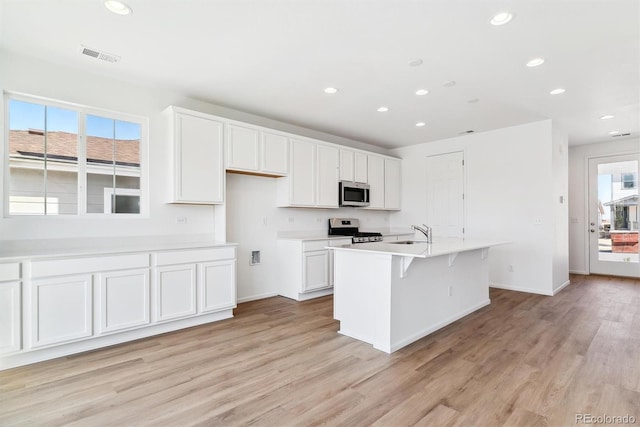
[350,227]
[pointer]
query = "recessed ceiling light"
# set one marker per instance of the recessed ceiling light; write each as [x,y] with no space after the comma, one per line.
[557,91]
[117,7]
[607,117]
[473,100]
[450,83]
[535,62]
[501,18]
[614,132]
[415,62]
[330,90]
[421,92]
[420,124]
[383,109]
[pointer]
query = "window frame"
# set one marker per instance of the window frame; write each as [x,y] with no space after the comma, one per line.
[633,181]
[82,112]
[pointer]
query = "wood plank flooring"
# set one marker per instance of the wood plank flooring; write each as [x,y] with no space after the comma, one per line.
[525,360]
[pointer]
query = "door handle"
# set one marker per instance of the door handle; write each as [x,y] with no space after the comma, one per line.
[592,230]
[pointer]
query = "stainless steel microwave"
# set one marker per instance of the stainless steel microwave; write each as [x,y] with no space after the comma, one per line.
[354,194]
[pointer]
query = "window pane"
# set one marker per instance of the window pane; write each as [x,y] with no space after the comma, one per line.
[100,162]
[127,171]
[43,159]
[62,161]
[26,158]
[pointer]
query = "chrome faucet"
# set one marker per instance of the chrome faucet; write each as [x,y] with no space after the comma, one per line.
[427,231]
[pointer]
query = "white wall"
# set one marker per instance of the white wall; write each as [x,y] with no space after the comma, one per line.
[560,203]
[30,76]
[253,220]
[578,210]
[509,186]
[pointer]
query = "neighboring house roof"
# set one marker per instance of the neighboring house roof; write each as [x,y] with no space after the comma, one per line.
[624,201]
[64,146]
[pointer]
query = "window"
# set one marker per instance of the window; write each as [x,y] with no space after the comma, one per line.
[628,180]
[65,160]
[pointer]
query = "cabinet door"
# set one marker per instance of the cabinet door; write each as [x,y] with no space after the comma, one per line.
[327,187]
[217,285]
[124,300]
[243,146]
[391,184]
[10,315]
[375,173]
[302,174]
[199,172]
[61,310]
[175,291]
[346,165]
[360,167]
[275,154]
[315,270]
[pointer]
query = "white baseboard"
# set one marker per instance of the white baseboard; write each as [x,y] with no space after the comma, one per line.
[561,287]
[519,289]
[257,297]
[580,272]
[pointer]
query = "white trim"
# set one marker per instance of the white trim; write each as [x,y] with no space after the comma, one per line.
[580,272]
[257,297]
[520,289]
[561,287]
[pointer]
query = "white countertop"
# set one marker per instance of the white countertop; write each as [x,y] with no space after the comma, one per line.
[322,234]
[41,248]
[439,247]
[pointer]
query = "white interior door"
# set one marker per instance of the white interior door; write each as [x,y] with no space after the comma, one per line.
[445,194]
[613,215]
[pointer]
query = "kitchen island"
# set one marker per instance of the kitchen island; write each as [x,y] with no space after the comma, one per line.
[390,294]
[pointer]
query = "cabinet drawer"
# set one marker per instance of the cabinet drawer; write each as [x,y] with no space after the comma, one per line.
[60,267]
[315,245]
[199,255]
[10,271]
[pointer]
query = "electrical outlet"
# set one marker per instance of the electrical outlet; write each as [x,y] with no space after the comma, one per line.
[291,220]
[265,221]
[181,220]
[255,258]
[450,290]
[510,268]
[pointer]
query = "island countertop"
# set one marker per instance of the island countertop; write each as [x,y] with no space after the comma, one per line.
[421,249]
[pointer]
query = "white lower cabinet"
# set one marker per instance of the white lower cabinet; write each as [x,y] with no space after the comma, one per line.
[315,270]
[217,285]
[306,267]
[175,292]
[64,305]
[61,309]
[10,316]
[123,300]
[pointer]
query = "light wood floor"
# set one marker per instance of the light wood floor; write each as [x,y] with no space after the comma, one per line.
[524,360]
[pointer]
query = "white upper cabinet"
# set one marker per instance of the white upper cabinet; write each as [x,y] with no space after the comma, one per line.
[375,180]
[275,154]
[353,166]
[243,148]
[198,171]
[313,177]
[303,174]
[253,150]
[327,167]
[384,180]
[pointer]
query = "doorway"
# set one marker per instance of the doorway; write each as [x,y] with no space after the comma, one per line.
[613,215]
[445,194]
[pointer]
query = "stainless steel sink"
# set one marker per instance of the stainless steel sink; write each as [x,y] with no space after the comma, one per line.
[407,242]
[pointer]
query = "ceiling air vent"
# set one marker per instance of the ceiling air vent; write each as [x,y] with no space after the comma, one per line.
[95,53]
[621,134]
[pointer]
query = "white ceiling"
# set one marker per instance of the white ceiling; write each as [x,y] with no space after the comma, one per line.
[274,57]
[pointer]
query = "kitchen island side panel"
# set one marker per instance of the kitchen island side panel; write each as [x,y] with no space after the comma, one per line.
[434,294]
